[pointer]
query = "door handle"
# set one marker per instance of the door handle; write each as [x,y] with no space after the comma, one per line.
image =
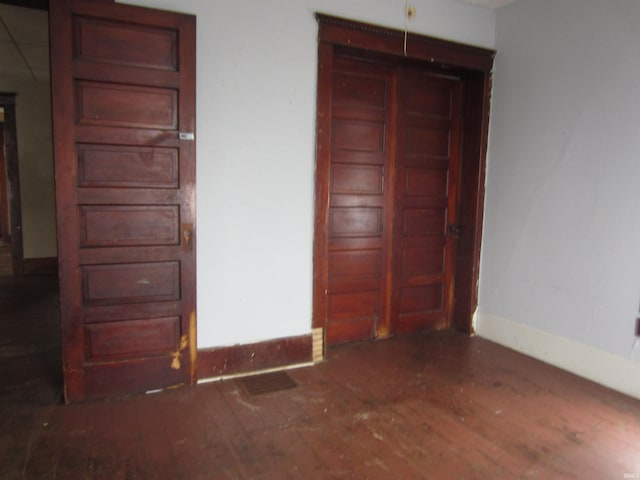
[455,229]
[187,237]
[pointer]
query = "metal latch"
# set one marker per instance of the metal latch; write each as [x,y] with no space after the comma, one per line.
[187,136]
[455,229]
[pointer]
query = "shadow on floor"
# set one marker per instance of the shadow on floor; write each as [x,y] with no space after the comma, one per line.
[30,342]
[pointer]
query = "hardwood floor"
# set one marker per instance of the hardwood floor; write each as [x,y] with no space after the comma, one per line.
[30,355]
[435,406]
[6,267]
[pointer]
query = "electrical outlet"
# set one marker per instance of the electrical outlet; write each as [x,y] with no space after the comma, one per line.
[638,327]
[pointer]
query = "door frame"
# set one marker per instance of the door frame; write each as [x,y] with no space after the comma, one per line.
[5,230]
[473,65]
[8,103]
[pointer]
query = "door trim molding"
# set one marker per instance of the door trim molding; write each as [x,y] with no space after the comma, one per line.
[8,103]
[375,38]
[249,358]
[473,65]
[5,229]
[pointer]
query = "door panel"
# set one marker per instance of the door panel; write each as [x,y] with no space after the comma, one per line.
[128,225]
[104,40]
[357,217]
[131,166]
[357,179]
[130,283]
[125,106]
[425,200]
[123,82]
[108,340]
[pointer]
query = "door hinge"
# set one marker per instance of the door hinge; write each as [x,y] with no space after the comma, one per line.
[189,136]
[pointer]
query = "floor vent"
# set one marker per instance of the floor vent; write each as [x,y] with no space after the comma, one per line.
[267,383]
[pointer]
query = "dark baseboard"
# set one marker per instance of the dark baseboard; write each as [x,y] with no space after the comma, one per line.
[253,357]
[40,266]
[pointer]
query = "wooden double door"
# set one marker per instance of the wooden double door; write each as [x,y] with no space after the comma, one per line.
[392,189]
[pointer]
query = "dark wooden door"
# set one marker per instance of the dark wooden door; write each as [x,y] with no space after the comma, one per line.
[123,86]
[425,210]
[359,200]
[392,189]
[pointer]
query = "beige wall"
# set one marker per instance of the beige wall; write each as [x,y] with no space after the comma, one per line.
[26,73]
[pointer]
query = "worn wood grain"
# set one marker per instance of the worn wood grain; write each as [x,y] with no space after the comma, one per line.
[440,405]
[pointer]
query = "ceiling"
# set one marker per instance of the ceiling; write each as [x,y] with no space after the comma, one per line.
[24,43]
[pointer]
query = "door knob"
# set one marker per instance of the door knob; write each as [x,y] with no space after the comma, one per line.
[455,229]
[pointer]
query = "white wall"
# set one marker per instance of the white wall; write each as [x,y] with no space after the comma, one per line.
[561,251]
[256,92]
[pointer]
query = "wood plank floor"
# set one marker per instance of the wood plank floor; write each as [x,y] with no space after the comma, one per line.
[6,267]
[438,406]
[30,355]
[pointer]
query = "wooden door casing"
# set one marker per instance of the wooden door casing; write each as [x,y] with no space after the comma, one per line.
[5,236]
[123,84]
[10,145]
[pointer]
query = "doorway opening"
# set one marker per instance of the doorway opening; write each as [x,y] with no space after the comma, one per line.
[29,318]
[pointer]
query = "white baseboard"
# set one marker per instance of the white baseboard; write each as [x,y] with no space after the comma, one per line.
[602,367]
